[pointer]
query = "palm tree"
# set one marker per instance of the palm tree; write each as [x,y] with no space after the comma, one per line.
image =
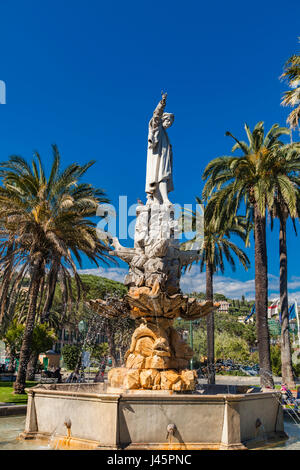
[286,202]
[246,180]
[216,247]
[47,220]
[292,97]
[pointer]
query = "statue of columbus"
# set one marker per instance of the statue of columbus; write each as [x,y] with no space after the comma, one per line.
[159,174]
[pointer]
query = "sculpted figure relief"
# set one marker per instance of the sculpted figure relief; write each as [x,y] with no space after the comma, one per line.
[159,174]
[158,356]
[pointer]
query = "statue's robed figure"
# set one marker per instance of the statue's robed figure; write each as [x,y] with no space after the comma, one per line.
[159,175]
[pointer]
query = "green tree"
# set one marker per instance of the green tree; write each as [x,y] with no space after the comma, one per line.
[234,328]
[216,248]
[42,339]
[200,343]
[98,351]
[198,295]
[231,347]
[219,297]
[97,287]
[117,330]
[13,341]
[233,181]
[45,227]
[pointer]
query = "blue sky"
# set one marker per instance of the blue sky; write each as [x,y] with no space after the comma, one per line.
[87,76]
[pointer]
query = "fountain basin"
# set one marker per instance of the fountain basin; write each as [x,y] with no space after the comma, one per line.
[106,418]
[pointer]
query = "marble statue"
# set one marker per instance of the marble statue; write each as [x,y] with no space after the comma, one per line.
[159,173]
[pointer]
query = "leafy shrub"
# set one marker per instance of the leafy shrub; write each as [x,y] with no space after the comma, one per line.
[231,347]
[239,373]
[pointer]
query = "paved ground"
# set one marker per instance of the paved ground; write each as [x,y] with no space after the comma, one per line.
[7,409]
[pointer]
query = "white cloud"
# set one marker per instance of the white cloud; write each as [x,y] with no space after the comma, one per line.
[294,283]
[194,280]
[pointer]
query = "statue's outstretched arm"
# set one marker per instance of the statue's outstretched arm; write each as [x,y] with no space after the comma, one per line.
[156,121]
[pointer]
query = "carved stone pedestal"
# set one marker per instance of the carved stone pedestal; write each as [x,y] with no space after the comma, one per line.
[152,379]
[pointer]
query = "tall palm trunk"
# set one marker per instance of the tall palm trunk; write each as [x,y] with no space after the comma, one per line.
[286,359]
[210,327]
[51,284]
[261,300]
[37,273]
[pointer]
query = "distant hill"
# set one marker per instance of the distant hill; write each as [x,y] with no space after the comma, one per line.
[99,287]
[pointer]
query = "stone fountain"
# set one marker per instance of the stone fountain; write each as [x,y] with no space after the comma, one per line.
[153,402]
